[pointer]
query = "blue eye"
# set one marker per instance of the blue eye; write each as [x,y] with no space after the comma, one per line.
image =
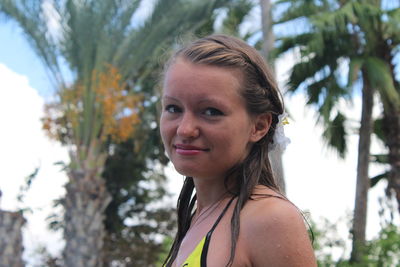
[172,109]
[213,112]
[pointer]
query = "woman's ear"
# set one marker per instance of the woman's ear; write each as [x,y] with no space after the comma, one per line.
[262,123]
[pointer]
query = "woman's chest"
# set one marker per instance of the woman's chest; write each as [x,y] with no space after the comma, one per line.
[219,251]
[212,249]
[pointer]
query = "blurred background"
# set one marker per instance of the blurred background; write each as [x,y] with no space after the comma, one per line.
[83,176]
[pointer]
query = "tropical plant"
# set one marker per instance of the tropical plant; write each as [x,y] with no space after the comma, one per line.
[11,249]
[98,99]
[363,36]
[331,250]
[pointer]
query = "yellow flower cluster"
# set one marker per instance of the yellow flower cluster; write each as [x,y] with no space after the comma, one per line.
[115,111]
[119,109]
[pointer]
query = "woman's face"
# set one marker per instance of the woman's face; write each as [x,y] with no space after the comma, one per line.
[205,126]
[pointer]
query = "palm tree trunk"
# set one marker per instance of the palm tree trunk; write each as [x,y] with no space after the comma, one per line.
[11,239]
[363,183]
[268,44]
[391,128]
[277,168]
[268,34]
[85,203]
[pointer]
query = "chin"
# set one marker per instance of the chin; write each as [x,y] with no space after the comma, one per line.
[189,171]
[185,172]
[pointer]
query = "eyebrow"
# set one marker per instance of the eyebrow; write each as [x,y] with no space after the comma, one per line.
[168,97]
[201,100]
[211,100]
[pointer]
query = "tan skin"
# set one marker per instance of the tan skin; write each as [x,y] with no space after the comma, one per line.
[206,130]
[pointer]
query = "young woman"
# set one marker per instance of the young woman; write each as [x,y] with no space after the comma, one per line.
[221,107]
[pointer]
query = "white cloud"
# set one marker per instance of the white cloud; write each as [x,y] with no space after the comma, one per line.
[24,147]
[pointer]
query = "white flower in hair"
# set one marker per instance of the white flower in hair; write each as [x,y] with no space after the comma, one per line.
[280,141]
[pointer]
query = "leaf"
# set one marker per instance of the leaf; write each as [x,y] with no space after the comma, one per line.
[31,177]
[380,158]
[380,77]
[236,15]
[300,8]
[377,129]
[354,70]
[28,182]
[374,180]
[335,134]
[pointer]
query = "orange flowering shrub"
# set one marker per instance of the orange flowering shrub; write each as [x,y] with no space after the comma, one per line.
[104,107]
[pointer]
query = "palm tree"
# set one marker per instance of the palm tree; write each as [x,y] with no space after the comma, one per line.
[362,34]
[11,249]
[103,53]
[267,46]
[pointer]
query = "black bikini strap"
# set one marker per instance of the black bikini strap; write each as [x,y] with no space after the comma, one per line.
[204,252]
[221,215]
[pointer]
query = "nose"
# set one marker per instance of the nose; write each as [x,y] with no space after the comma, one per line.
[187,127]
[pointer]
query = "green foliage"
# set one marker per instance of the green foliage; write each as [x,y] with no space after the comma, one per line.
[167,244]
[331,249]
[380,76]
[327,240]
[25,187]
[136,219]
[335,133]
[385,250]
[338,34]
[302,8]
[237,12]
[377,178]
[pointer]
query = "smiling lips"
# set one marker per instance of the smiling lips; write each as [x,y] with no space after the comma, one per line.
[188,150]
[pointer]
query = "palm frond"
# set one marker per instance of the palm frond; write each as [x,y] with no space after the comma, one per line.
[378,129]
[285,44]
[393,26]
[354,70]
[380,158]
[33,22]
[335,134]
[301,8]
[237,12]
[161,29]
[337,20]
[329,100]
[376,179]
[379,75]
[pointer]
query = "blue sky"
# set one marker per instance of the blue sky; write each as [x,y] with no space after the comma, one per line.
[18,56]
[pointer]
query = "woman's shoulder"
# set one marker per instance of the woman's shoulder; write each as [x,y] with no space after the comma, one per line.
[273,231]
[267,206]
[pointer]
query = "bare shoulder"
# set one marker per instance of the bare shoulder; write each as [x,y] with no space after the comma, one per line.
[273,232]
[269,210]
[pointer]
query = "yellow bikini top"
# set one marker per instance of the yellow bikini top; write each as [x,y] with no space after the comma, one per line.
[198,257]
[194,258]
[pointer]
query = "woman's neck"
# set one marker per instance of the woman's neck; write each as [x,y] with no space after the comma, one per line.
[209,192]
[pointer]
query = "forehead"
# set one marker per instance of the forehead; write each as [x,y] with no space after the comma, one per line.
[201,79]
